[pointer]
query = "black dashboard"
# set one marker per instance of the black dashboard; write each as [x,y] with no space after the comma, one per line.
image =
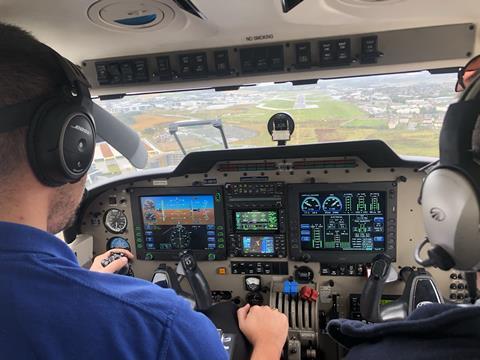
[272,225]
[255,216]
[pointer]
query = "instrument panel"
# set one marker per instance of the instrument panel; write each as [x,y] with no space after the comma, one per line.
[348,221]
[255,225]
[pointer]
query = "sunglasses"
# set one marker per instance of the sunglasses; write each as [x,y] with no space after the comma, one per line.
[467,73]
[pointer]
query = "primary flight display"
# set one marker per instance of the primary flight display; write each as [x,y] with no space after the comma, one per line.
[179,222]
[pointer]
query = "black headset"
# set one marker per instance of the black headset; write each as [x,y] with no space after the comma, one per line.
[61,129]
[450,195]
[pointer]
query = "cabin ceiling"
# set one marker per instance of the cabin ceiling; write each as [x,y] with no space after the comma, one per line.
[67,25]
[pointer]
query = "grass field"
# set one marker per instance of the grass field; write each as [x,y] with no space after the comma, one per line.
[279,104]
[145,121]
[332,120]
[366,123]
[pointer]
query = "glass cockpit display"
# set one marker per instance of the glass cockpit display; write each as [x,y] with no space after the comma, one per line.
[176,222]
[258,245]
[256,220]
[342,220]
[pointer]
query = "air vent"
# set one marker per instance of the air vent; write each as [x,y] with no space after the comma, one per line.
[188,6]
[288,5]
[131,15]
[138,20]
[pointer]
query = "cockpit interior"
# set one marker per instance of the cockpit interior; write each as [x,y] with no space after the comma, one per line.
[287,144]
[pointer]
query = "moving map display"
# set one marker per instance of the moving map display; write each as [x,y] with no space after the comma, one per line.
[258,244]
[255,220]
[348,221]
[179,222]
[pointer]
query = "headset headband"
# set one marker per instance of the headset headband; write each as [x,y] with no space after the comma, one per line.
[109,128]
[75,86]
[456,140]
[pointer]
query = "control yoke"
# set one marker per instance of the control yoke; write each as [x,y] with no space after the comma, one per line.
[223,314]
[201,291]
[420,289]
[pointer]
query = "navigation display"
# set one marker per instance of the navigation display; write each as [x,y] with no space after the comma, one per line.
[252,221]
[258,244]
[174,222]
[342,220]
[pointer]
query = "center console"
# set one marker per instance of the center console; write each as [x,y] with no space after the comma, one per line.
[256,219]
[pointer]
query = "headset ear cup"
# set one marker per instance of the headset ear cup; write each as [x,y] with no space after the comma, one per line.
[60,143]
[451,215]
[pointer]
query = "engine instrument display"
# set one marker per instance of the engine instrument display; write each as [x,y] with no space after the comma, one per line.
[342,222]
[253,221]
[258,245]
[170,221]
[346,221]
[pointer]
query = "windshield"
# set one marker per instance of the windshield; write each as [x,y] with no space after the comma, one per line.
[404,110]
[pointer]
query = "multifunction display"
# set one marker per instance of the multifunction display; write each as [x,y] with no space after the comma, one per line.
[246,221]
[258,244]
[346,221]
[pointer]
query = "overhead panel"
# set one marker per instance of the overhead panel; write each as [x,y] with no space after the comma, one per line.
[279,61]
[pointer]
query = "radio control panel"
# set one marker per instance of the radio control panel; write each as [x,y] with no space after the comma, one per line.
[256,219]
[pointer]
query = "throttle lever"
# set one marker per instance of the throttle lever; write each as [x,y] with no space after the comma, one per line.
[201,291]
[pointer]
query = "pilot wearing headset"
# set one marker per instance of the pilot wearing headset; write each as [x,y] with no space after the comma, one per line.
[50,307]
[450,200]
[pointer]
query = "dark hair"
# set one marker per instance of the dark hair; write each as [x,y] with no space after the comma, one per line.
[26,71]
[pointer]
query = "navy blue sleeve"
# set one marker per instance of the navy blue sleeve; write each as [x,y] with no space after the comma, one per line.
[193,336]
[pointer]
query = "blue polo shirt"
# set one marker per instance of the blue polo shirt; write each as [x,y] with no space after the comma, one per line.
[51,308]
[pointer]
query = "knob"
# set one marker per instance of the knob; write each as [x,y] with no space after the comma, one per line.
[453,276]
[306,257]
[460,286]
[453,286]
[453,296]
